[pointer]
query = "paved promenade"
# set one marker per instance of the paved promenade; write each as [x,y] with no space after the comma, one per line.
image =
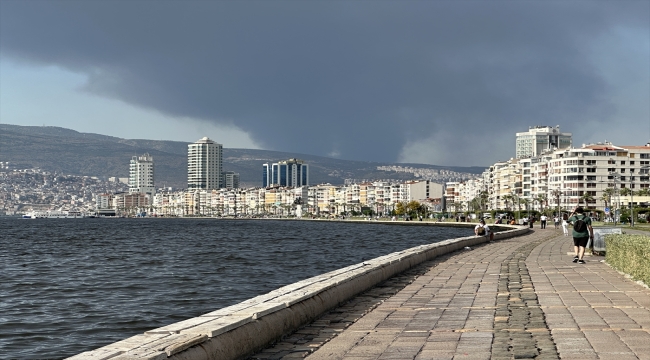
[517,298]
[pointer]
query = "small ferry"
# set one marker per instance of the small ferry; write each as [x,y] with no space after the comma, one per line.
[55,215]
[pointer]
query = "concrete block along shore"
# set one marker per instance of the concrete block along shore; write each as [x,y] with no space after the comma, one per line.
[242,329]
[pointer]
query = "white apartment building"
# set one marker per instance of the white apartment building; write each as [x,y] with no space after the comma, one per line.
[204,165]
[579,176]
[104,201]
[141,175]
[539,139]
[563,179]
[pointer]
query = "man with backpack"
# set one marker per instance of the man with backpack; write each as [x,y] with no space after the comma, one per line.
[582,232]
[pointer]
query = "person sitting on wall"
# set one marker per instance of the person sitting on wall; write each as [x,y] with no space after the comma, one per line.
[483,230]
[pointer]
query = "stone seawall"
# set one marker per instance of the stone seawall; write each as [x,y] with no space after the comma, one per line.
[242,329]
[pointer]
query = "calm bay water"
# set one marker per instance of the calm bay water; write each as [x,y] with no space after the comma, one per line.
[72,285]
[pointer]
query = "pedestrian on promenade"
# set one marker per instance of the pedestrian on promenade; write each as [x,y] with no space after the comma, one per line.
[483,230]
[532,221]
[543,219]
[582,232]
[556,220]
[564,224]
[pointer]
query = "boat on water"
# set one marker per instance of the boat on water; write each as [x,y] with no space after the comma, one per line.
[56,215]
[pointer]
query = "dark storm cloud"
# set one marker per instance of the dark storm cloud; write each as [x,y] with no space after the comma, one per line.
[359,79]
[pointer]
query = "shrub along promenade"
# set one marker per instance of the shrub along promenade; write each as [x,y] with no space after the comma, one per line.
[630,254]
[516,298]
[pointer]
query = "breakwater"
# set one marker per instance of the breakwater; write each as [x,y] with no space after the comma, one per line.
[69,286]
[239,330]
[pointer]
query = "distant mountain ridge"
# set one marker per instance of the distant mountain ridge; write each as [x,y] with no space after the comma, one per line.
[69,151]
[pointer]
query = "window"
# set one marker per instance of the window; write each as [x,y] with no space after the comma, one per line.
[592,185]
[611,162]
[631,162]
[622,171]
[591,178]
[591,170]
[622,162]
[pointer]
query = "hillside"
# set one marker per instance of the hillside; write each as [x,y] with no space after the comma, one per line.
[72,152]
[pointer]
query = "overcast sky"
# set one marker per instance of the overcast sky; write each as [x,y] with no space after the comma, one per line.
[438,82]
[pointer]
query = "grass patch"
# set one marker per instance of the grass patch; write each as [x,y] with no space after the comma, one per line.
[629,254]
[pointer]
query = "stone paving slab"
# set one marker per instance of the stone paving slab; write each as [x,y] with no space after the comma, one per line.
[591,309]
[516,298]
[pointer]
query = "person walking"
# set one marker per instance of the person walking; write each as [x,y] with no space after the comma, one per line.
[556,221]
[582,232]
[543,219]
[564,224]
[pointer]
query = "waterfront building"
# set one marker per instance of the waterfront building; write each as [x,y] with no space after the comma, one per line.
[104,201]
[130,203]
[593,176]
[230,180]
[292,172]
[581,176]
[539,139]
[204,165]
[141,175]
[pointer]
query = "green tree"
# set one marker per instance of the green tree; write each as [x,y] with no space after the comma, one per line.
[507,199]
[541,199]
[587,198]
[607,196]
[400,209]
[414,208]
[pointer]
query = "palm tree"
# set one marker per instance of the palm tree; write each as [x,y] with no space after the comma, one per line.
[607,196]
[643,192]
[586,198]
[507,198]
[541,199]
[625,192]
[484,198]
[525,202]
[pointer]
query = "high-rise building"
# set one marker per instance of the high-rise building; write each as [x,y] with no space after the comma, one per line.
[292,172]
[141,175]
[230,180]
[204,164]
[539,139]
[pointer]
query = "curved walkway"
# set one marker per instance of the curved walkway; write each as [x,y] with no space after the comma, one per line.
[517,298]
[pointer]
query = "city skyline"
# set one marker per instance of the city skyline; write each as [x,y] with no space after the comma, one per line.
[419,82]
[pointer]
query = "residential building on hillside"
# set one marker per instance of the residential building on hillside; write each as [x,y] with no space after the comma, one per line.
[141,175]
[292,172]
[539,139]
[204,165]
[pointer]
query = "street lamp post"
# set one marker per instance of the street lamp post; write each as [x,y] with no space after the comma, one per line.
[616,176]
